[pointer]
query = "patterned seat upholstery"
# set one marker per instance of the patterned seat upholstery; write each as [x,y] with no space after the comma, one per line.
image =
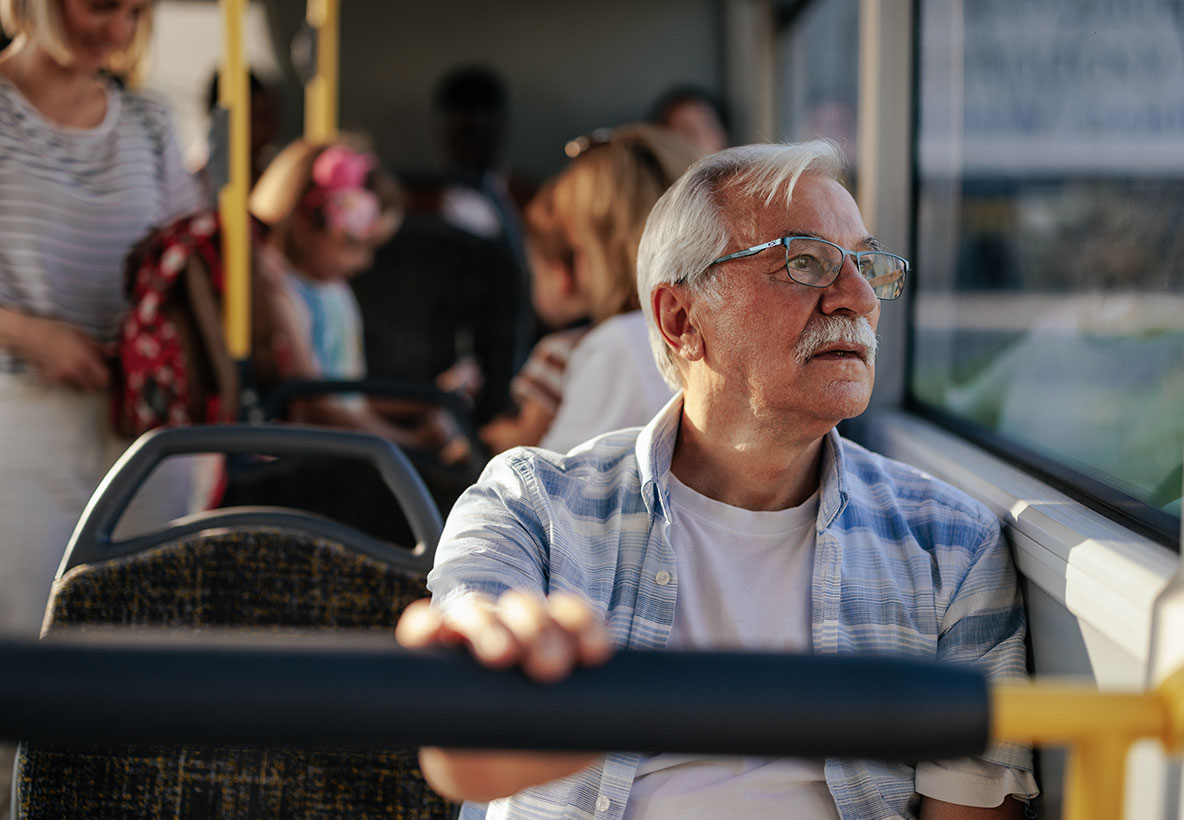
[254,577]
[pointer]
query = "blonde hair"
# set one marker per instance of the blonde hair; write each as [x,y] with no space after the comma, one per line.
[598,205]
[277,196]
[42,22]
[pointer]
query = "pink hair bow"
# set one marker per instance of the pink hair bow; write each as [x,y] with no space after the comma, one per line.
[348,206]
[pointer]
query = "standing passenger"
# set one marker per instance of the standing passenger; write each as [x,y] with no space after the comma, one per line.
[86,168]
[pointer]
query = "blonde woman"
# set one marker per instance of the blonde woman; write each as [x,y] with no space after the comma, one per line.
[87,167]
[600,202]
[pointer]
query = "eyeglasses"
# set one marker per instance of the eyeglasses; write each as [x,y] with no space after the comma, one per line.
[816,263]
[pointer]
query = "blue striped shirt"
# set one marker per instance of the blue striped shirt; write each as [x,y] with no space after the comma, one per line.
[904,564]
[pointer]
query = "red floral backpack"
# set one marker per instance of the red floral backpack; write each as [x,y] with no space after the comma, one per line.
[172,364]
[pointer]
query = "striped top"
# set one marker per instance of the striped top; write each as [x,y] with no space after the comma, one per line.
[904,564]
[73,201]
[541,378]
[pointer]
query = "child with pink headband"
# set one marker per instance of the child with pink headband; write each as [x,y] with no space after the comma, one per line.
[326,206]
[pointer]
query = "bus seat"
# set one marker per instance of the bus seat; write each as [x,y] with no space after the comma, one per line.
[438,293]
[333,487]
[263,569]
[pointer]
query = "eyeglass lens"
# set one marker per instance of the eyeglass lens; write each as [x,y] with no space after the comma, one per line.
[817,263]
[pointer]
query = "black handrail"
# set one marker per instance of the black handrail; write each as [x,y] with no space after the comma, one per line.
[366,693]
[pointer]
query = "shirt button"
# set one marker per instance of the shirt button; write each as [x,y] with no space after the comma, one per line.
[603,803]
[663,578]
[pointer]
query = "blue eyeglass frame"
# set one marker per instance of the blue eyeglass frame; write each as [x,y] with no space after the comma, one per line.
[785,240]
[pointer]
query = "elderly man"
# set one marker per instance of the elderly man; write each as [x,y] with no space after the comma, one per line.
[737,519]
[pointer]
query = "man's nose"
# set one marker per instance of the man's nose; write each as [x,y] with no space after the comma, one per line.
[850,292]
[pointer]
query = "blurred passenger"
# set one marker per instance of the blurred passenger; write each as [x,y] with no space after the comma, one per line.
[326,207]
[559,302]
[264,128]
[86,168]
[601,201]
[451,288]
[695,115]
[473,118]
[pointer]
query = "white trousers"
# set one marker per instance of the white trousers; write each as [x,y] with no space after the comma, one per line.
[56,444]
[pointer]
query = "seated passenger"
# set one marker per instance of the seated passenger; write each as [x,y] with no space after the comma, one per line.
[600,204]
[738,519]
[559,303]
[326,207]
[695,115]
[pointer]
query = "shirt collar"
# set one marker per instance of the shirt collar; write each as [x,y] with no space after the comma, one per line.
[655,450]
[832,498]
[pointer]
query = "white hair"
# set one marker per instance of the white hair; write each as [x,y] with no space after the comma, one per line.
[686,229]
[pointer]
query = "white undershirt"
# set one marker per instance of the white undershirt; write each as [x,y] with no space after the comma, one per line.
[743,584]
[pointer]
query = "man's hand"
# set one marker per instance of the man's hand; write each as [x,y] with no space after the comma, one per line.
[547,638]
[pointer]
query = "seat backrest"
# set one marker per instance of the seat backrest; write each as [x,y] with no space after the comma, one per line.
[259,577]
[256,568]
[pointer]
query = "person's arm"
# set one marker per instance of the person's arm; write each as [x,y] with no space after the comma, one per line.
[183,193]
[546,638]
[489,594]
[931,809]
[983,626]
[526,428]
[59,352]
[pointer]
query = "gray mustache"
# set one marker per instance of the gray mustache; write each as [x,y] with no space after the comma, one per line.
[828,330]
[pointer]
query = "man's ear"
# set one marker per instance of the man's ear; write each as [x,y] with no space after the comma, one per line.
[672,313]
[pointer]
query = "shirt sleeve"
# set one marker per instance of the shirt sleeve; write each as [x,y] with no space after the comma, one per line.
[985,625]
[494,539]
[182,194]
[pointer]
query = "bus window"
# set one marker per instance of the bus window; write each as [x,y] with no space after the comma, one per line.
[1050,262]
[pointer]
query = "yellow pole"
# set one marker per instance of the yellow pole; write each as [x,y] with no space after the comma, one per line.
[232,200]
[1095,777]
[320,94]
[1098,728]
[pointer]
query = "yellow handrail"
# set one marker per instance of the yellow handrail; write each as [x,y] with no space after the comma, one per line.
[321,92]
[1098,728]
[233,95]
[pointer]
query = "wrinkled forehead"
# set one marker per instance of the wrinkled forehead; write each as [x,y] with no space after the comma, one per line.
[816,205]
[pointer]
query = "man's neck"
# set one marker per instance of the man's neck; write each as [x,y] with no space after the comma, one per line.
[746,465]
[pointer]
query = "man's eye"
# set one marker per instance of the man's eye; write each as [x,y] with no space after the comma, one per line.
[805,261]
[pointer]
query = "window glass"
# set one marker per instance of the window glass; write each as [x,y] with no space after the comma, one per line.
[818,72]
[1050,234]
